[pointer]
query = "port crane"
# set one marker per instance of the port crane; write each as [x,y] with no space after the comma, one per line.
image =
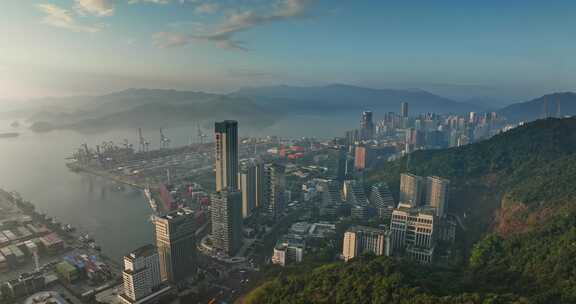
[201,135]
[164,141]
[144,145]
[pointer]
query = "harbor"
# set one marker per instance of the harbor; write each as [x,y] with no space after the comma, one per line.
[38,252]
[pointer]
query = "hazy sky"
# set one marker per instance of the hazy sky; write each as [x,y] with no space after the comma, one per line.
[499,48]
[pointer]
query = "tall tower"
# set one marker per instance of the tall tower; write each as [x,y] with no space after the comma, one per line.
[248,187]
[404,109]
[411,189]
[274,188]
[366,125]
[437,194]
[226,133]
[176,244]
[227,221]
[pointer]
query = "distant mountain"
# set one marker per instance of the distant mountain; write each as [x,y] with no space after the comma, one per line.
[340,97]
[147,108]
[554,104]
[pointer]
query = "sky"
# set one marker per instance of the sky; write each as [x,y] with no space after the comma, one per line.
[497,49]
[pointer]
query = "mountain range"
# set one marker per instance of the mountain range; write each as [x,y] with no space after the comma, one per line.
[256,107]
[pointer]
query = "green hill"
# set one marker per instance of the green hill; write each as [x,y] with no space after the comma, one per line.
[518,192]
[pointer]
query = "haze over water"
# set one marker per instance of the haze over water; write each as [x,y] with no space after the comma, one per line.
[33,164]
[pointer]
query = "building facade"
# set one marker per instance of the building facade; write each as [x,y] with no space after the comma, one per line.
[176,244]
[226,157]
[360,239]
[411,189]
[437,194]
[414,231]
[141,274]
[226,209]
[274,188]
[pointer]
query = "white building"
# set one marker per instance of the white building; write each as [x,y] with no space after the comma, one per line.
[414,231]
[141,274]
[290,249]
[360,239]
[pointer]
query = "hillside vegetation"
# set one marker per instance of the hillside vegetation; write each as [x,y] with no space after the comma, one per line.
[518,190]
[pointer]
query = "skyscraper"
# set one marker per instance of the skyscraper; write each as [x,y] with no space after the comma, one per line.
[341,165]
[248,187]
[141,273]
[274,188]
[226,136]
[359,239]
[227,221]
[360,156]
[366,126]
[411,189]
[404,109]
[176,244]
[437,194]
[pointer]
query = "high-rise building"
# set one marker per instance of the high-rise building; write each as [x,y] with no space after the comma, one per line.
[341,165]
[411,189]
[437,194]
[366,126]
[382,199]
[414,232]
[354,194]
[260,185]
[360,239]
[226,209]
[360,157]
[176,244]
[274,187]
[226,144]
[248,187]
[404,109]
[141,274]
[380,196]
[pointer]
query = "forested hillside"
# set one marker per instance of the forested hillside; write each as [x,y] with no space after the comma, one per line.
[518,191]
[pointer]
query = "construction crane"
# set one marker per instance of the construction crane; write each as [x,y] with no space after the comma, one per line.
[164,141]
[143,144]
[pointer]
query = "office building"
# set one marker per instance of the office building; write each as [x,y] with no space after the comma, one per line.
[366,126]
[226,144]
[411,189]
[414,232]
[290,249]
[437,194]
[176,244]
[360,239]
[404,109]
[226,209]
[141,274]
[360,158]
[381,198]
[354,193]
[274,187]
[341,165]
[260,185]
[248,186]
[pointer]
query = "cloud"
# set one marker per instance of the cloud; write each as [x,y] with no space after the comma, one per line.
[95,7]
[62,18]
[207,8]
[149,1]
[238,21]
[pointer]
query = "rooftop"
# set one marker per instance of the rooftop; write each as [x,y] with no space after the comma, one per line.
[144,251]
